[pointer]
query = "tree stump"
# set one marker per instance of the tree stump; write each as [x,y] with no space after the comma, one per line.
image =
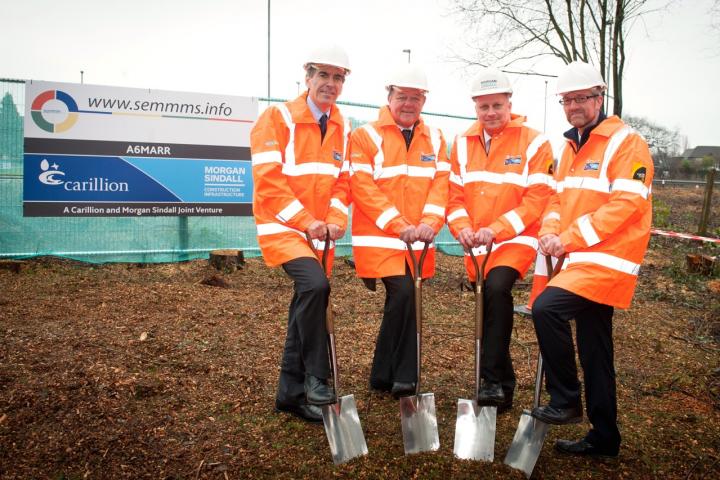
[12,265]
[702,264]
[227,260]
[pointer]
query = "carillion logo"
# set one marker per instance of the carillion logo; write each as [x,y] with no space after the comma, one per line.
[54,111]
[50,175]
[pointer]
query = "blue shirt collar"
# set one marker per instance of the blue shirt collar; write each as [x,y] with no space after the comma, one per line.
[315,110]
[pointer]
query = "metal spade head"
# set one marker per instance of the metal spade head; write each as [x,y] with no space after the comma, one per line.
[343,430]
[419,423]
[475,431]
[527,443]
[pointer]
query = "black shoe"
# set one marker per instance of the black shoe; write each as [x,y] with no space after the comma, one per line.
[505,407]
[309,413]
[317,391]
[380,386]
[491,394]
[558,416]
[583,447]
[403,389]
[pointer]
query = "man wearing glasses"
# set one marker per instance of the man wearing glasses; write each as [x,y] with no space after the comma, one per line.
[399,182]
[600,220]
[500,183]
[301,188]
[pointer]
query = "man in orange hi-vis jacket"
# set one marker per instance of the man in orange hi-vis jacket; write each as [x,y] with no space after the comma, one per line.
[600,220]
[499,186]
[301,186]
[399,182]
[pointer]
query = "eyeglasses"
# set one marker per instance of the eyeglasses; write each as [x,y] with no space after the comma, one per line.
[580,99]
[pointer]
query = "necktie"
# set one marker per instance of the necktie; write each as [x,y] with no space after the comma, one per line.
[323,126]
[487,146]
[407,133]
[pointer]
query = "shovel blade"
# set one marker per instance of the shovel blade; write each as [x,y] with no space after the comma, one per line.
[419,423]
[343,430]
[475,431]
[527,444]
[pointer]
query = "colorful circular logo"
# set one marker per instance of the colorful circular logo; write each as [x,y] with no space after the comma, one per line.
[54,111]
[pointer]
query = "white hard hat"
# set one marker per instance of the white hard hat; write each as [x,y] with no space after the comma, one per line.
[408,75]
[579,76]
[332,55]
[490,81]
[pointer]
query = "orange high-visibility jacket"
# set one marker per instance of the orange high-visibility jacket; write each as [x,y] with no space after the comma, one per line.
[540,278]
[296,179]
[393,188]
[505,190]
[602,211]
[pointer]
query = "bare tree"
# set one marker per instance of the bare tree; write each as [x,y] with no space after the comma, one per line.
[663,142]
[714,16]
[658,137]
[518,32]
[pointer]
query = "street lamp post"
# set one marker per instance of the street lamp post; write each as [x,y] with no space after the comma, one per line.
[407,50]
[82,73]
[268,51]
[607,75]
[545,112]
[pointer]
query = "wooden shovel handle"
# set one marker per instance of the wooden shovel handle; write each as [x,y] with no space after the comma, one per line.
[539,369]
[479,310]
[329,321]
[417,264]
[558,266]
[479,289]
[417,281]
[326,249]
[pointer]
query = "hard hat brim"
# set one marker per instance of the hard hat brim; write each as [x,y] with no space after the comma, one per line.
[490,91]
[317,64]
[582,86]
[411,87]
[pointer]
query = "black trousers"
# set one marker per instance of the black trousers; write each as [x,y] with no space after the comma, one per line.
[496,364]
[306,350]
[552,312]
[395,358]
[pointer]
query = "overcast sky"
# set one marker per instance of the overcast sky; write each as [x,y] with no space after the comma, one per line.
[220,46]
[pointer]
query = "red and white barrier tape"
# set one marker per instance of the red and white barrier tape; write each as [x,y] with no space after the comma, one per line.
[665,233]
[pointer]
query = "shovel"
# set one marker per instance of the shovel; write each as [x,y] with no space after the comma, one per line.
[530,434]
[417,412]
[475,425]
[341,420]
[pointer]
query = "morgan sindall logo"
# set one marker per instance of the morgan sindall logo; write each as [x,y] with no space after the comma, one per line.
[49,173]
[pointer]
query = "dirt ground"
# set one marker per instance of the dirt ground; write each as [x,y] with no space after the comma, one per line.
[143,371]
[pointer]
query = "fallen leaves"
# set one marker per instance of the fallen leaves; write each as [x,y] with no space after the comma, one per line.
[119,371]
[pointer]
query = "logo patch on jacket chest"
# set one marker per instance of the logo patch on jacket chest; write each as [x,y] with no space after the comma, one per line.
[427,157]
[591,165]
[337,156]
[510,160]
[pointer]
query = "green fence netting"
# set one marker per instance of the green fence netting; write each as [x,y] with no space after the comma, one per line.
[112,239]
